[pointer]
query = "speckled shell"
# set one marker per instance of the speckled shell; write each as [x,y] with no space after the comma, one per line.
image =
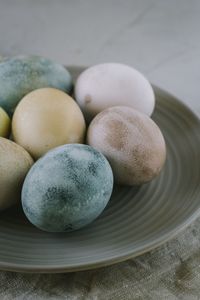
[67,188]
[5,123]
[23,74]
[47,118]
[131,141]
[15,162]
[113,84]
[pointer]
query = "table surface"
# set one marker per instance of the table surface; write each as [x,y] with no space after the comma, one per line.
[161,39]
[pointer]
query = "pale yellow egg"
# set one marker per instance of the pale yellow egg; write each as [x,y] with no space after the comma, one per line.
[45,119]
[4,123]
[15,162]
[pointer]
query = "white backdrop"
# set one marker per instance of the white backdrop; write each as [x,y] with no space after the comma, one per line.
[160,38]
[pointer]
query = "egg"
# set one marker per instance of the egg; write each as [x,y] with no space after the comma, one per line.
[74,196]
[15,162]
[113,84]
[47,118]
[23,74]
[5,123]
[132,143]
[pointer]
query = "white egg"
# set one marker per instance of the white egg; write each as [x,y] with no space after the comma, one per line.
[113,84]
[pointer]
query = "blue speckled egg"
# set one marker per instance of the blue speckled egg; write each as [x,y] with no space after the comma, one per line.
[67,188]
[23,74]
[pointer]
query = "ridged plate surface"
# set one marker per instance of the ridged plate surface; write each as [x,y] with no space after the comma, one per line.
[136,219]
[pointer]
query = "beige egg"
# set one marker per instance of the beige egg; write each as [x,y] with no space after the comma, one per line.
[131,141]
[15,162]
[46,118]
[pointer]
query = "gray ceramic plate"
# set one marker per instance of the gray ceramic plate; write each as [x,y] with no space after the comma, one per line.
[135,221]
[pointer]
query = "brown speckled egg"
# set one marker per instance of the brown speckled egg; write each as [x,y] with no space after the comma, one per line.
[15,162]
[131,141]
[47,118]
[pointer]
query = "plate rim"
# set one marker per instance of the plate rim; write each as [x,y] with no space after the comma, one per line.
[103,263]
[45,269]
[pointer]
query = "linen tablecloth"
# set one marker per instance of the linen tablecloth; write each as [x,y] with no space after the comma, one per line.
[169,272]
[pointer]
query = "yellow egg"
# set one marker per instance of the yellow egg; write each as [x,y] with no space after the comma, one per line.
[46,118]
[15,162]
[4,123]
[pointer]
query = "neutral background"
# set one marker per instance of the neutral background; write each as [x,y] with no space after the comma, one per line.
[161,39]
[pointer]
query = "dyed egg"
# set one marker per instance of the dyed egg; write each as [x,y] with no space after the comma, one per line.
[47,118]
[23,74]
[131,141]
[74,196]
[4,123]
[113,84]
[15,162]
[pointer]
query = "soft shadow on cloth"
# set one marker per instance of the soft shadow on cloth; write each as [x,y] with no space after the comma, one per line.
[170,272]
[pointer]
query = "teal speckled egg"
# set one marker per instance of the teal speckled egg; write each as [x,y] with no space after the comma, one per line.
[67,188]
[23,74]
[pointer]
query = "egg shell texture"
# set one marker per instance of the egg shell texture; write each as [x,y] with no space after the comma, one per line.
[113,84]
[23,74]
[15,162]
[67,188]
[131,141]
[47,118]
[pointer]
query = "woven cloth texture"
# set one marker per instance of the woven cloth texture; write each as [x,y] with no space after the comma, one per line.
[169,272]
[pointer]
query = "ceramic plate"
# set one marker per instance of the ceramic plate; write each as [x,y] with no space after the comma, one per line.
[136,219]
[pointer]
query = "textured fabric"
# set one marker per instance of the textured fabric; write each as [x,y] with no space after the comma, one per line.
[170,272]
